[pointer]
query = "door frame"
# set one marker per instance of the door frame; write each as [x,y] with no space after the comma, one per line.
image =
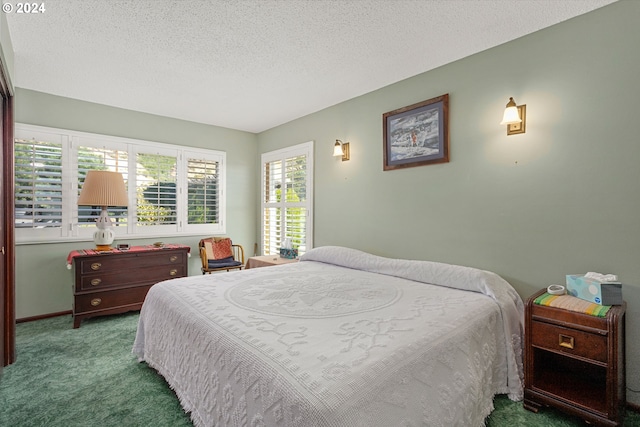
[7,291]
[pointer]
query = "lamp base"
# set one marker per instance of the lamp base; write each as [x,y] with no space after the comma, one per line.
[103,238]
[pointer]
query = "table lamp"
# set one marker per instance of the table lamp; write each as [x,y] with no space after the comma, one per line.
[103,188]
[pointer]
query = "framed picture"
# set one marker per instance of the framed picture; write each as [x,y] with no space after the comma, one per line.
[417,135]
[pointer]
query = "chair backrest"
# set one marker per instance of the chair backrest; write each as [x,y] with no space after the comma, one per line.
[217,247]
[211,239]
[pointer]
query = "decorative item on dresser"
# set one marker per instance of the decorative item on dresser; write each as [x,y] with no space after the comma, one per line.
[575,361]
[118,281]
[104,189]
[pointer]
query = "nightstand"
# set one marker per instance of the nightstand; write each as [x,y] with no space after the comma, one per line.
[267,260]
[575,362]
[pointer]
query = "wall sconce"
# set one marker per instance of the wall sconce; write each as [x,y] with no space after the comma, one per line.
[515,117]
[341,149]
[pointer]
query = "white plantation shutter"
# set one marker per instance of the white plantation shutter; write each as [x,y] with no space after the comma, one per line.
[38,183]
[172,189]
[271,209]
[100,158]
[287,198]
[156,189]
[203,191]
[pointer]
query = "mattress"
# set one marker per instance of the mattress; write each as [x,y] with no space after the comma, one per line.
[341,338]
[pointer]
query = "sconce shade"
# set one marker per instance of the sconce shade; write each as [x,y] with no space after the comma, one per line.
[511,115]
[341,149]
[103,188]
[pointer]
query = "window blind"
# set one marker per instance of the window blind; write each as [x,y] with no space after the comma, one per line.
[97,158]
[156,189]
[38,184]
[203,191]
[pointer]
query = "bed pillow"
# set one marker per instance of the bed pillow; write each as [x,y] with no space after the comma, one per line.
[436,273]
[220,249]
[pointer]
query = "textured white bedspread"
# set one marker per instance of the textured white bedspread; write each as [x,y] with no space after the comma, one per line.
[342,338]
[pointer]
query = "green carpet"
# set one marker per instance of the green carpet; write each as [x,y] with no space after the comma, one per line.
[88,377]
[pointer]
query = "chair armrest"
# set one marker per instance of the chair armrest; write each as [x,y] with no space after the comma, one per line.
[240,251]
[203,258]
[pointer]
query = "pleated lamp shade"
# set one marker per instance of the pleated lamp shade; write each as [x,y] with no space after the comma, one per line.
[103,188]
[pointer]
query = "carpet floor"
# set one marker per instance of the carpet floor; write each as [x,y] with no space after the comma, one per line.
[88,377]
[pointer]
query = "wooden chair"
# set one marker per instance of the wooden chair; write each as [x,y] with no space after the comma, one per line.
[220,254]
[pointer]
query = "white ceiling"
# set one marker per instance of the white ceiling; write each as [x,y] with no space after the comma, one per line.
[255,64]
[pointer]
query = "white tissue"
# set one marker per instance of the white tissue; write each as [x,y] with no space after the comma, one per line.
[602,278]
[287,243]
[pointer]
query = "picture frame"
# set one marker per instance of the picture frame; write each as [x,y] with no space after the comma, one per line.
[416,135]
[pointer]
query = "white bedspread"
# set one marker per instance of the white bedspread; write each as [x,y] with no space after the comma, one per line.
[342,338]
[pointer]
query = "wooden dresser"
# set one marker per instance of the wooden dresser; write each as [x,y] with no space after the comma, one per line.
[116,282]
[575,362]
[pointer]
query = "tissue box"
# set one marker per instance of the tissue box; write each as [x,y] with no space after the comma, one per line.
[603,293]
[288,253]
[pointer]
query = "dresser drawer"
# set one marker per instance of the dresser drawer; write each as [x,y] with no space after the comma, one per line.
[569,341]
[130,261]
[129,277]
[105,300]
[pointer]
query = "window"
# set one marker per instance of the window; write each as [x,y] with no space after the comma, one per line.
[39,190]
[92,158]
[287,198]
[156,190]
[172,189]
[203,191]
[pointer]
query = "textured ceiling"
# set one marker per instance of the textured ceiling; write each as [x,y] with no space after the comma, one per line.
[252,65]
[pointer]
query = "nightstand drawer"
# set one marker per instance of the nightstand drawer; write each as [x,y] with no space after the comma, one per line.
[569,341]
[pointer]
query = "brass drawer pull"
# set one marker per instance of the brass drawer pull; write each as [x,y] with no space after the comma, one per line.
[565,341]
[173,272]
[96,266]
[173,258]
[96,302]
[96,282]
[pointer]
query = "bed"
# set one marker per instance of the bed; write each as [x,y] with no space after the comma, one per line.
[341,338]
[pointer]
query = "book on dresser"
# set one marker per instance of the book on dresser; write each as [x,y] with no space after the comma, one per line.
[117,281]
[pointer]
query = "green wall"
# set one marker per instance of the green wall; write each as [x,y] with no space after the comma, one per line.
[43,284]
[563,198]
